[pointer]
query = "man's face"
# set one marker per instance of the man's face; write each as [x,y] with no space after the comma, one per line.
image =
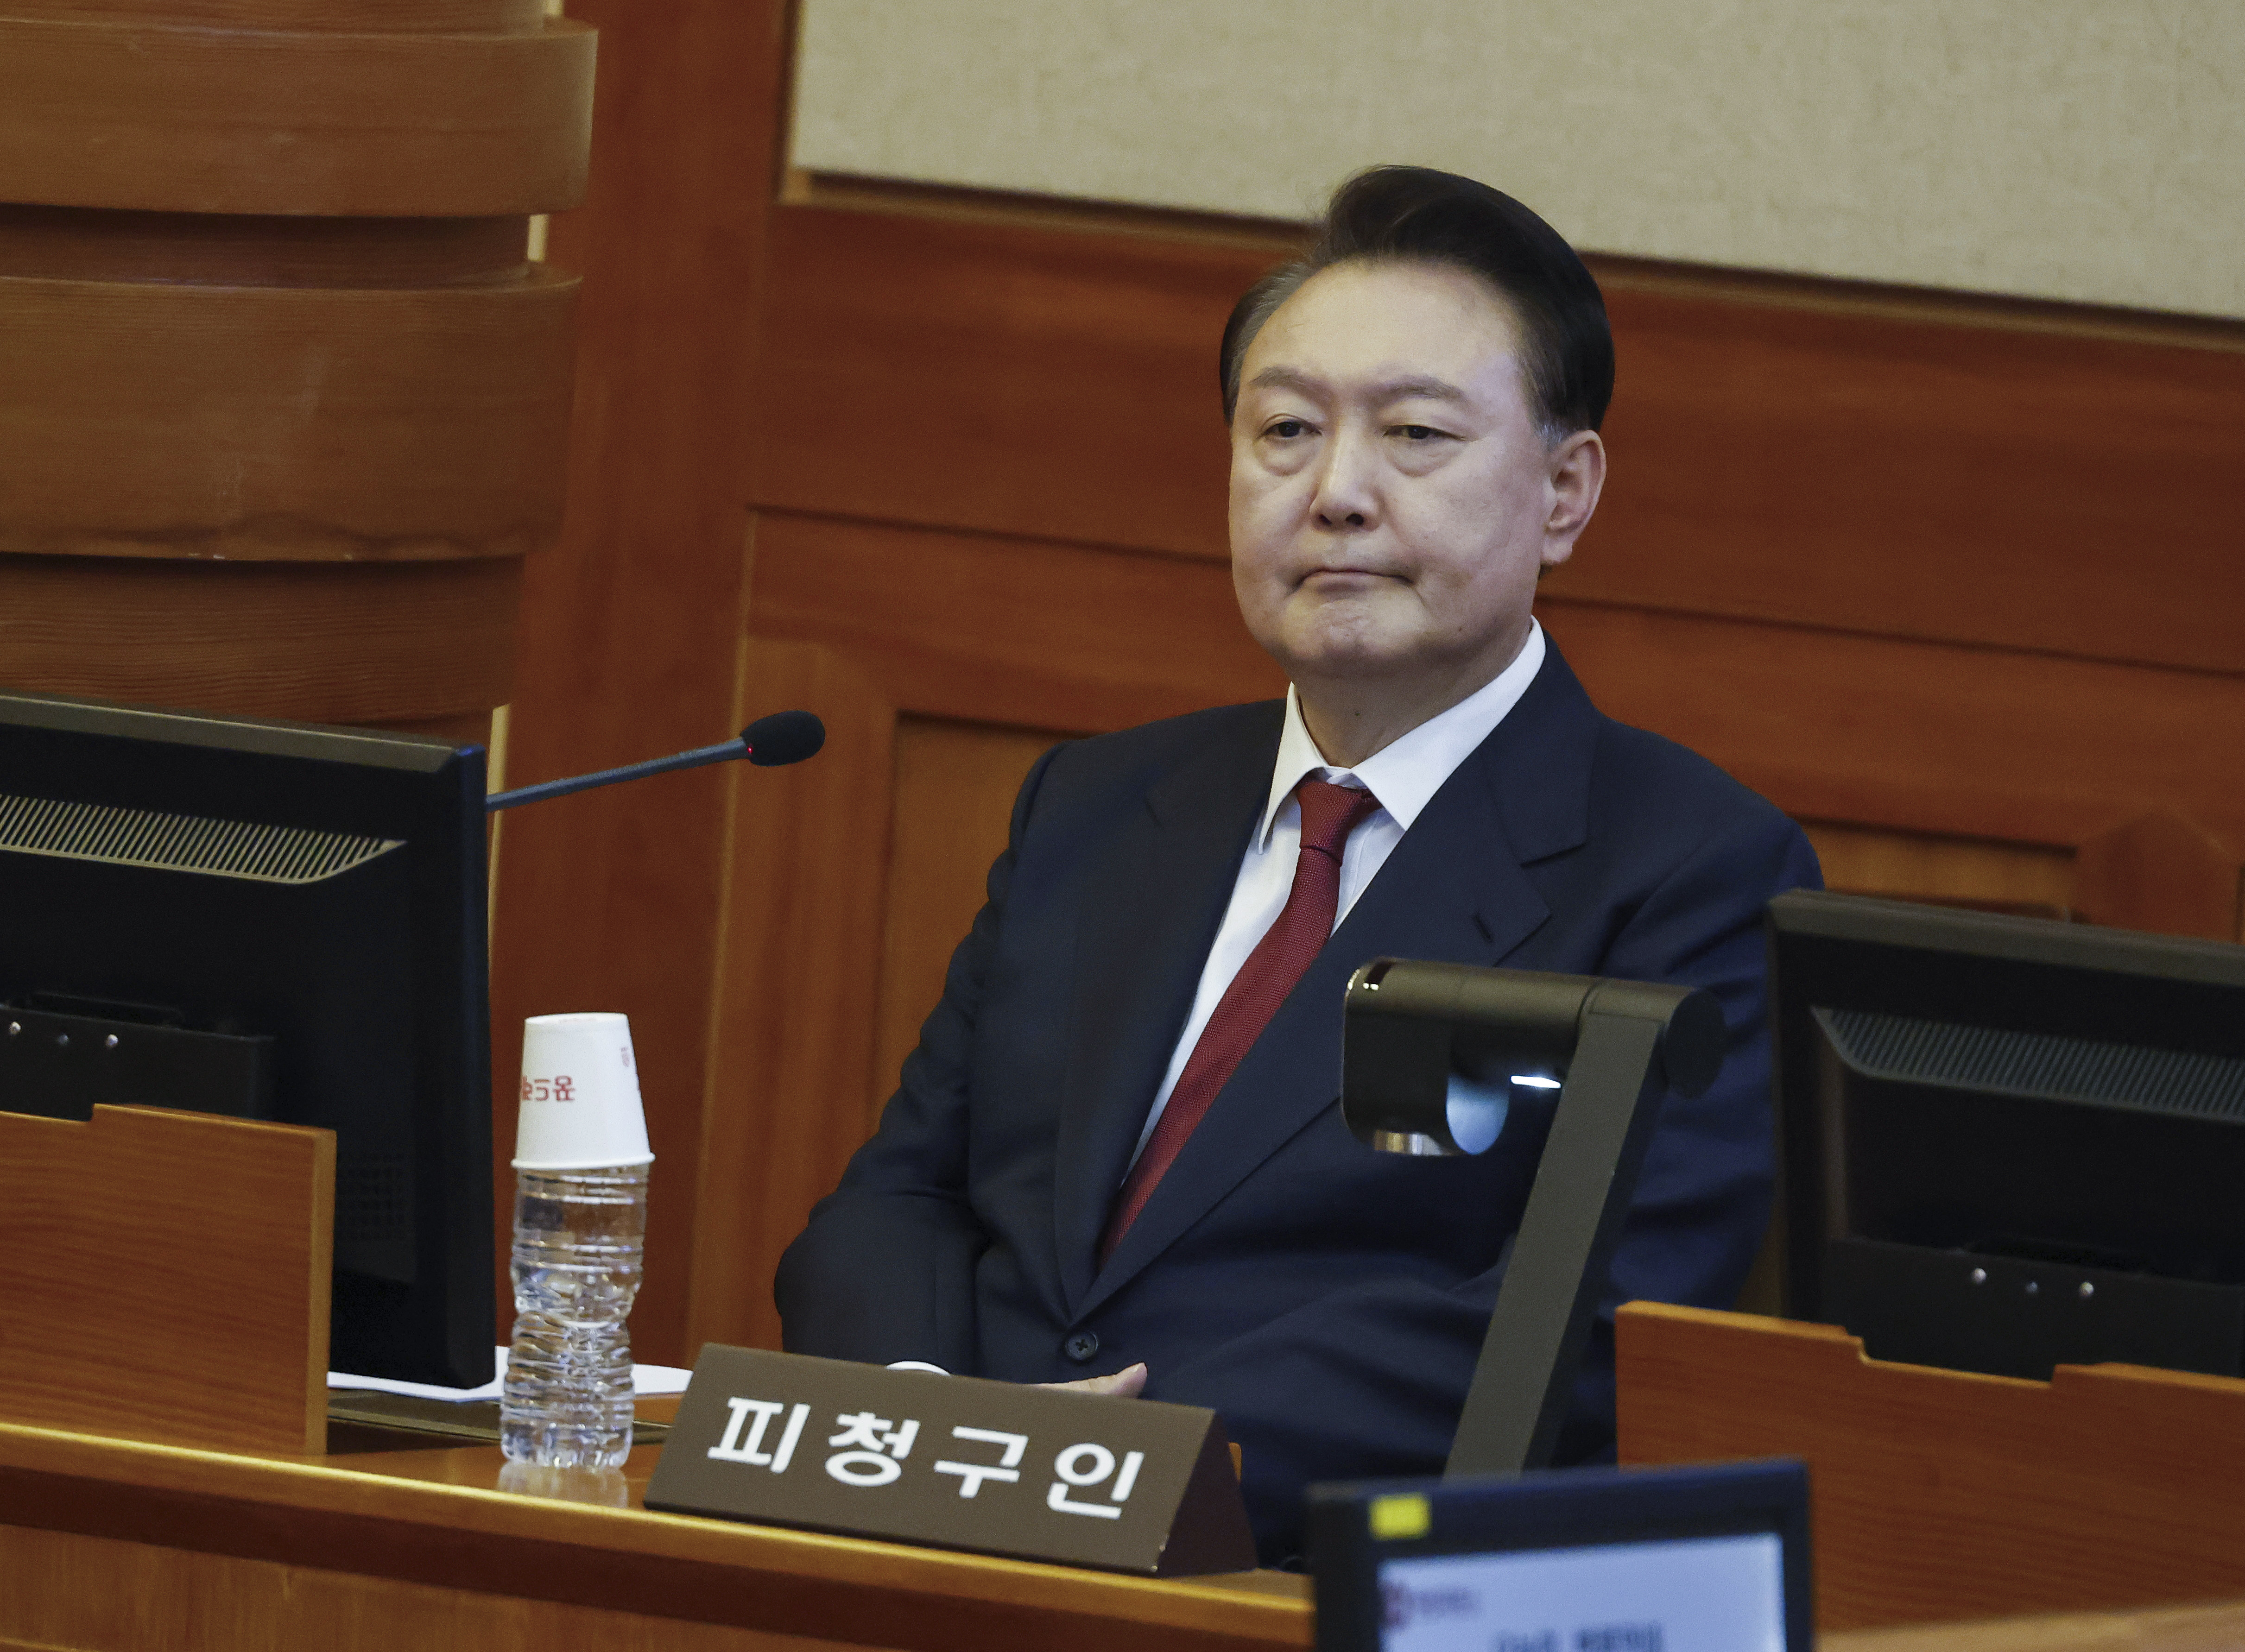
[1392,500]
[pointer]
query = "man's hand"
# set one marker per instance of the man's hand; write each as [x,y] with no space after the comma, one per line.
[1123,1384]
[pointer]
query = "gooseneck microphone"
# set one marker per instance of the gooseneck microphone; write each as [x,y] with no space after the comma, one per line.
[784,737]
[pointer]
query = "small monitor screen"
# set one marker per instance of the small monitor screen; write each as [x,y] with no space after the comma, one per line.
[1685,1594]
[1702,1558]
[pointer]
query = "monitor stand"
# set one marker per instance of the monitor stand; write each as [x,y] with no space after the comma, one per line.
[60,1059]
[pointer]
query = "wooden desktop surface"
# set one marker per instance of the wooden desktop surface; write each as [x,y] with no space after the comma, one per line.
[111,1545]
[114,1545]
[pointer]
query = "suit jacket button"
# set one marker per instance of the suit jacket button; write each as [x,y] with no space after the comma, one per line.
[1082,1346]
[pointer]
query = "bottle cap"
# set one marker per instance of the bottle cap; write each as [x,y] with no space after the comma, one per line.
[580,1106]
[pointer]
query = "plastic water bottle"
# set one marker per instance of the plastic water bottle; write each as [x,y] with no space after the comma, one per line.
[577,1234]
[580,1220]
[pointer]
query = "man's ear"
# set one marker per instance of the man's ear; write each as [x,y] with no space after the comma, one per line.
[1577,476]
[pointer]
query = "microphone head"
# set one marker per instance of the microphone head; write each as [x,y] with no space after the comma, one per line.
[784,737]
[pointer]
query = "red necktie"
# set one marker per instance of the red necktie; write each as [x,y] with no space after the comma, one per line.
[1330,813]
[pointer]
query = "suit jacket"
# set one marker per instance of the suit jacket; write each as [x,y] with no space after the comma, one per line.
[1329,1301]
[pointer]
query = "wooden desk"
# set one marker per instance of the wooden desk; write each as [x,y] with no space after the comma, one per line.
[113,1545]
[2189,1628]
[1936,1494]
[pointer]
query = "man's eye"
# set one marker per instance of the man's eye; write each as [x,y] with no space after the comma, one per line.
[1417,432]
[1287,429]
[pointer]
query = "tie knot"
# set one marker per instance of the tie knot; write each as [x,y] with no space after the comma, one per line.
[1330,813]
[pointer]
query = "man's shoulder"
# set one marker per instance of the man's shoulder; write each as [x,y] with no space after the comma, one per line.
[1578,775]
[1636,767]
[1664,811]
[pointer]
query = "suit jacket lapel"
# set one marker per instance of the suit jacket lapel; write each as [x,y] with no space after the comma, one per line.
[1156,898]
[1453,890]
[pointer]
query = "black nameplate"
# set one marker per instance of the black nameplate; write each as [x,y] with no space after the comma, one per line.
[954,1462]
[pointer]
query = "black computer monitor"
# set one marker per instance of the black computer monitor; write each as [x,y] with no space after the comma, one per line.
[2011,1143]
[280,922]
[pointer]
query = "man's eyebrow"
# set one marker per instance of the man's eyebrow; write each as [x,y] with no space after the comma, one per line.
[1416,388]
[1286,378]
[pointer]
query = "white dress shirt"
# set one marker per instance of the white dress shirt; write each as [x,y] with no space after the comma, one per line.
[1404,776]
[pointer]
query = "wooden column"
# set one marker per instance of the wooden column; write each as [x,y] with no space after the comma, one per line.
[283,405]
[631,634]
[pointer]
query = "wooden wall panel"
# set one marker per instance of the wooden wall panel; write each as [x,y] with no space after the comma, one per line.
[353,643]
[2032,879]
[1920,477]
[230,421]
[1977,744]
[1934,469]
[804,889]
[1067,380]
[1878,730]
[2162,870]
[1044,634]
[292,119]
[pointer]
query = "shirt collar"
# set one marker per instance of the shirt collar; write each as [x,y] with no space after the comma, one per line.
[1406,775]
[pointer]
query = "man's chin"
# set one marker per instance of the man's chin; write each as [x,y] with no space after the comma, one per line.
[1346,641]
[1351,659]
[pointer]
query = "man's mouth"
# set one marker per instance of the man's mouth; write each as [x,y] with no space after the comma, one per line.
[1346,571]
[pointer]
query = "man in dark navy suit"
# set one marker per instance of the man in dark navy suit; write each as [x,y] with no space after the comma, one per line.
[1117,1153]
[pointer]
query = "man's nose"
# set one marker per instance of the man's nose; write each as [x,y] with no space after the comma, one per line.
[1346,497]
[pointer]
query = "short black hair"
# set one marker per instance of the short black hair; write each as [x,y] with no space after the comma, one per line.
[1418,214]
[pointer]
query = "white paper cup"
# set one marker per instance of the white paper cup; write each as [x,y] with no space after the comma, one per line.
[580,1106]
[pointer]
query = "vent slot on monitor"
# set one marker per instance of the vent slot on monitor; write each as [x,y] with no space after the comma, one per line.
[2038,1066]
[181,843]
[374,1214]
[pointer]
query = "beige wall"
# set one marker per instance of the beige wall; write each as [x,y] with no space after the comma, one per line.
[2085,150]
